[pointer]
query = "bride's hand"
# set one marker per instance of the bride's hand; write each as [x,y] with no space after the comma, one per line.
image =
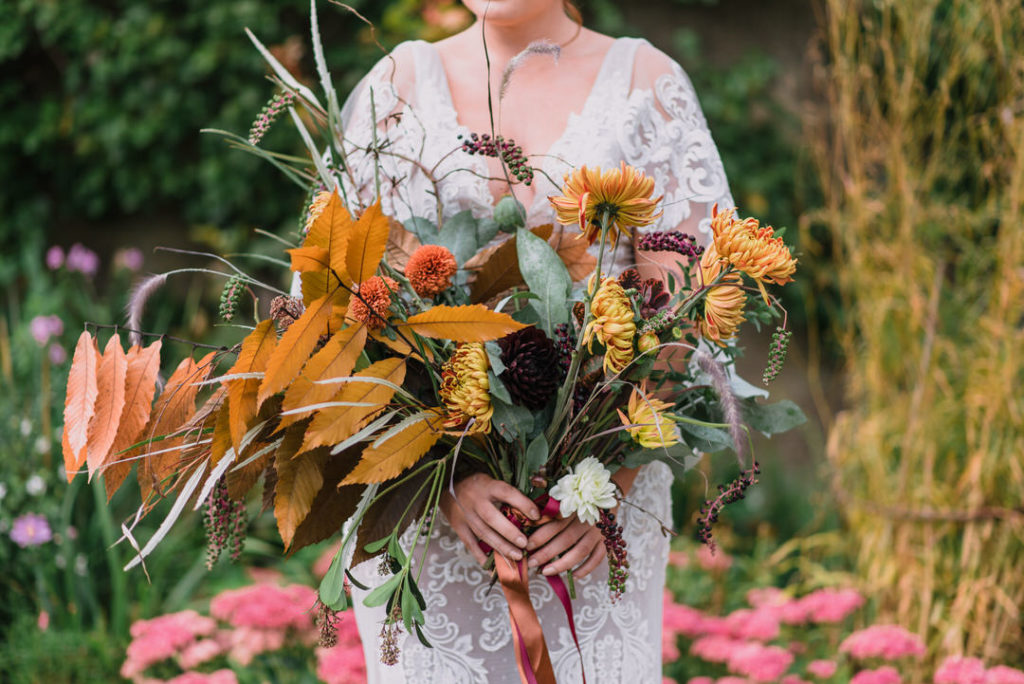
[475,515]
[580,544]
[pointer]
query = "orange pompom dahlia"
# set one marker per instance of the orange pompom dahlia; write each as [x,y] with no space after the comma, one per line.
[612,326]
[723,304]
[430,270]
[624,194]
[752,249]
[373,301]
[465,388]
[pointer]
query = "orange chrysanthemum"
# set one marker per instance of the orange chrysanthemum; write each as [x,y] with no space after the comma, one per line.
[752,249]
[723,304]
[612,325]
[373,301]
[465,389]
[316,207]
[430,270]
[624,194]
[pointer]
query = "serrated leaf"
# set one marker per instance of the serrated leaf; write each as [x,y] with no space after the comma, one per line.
[333,505]
[330,230]
[367,242]
[401,244]
[309,258]
[336,359]
[397,454]
[472,323]
[499,271]
[140,386]
[173,409]
[294,348]
[546,276]
[221,440]
[257,348]
[298,482]
[111,377]
[332,425]
[79,403]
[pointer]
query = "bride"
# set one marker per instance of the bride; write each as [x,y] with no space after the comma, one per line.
[598,102]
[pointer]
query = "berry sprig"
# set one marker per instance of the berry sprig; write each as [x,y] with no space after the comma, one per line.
[327,623]
[230,296]
[776,354]
[565,346]
[671,241]
[265,118]
[499,148]
[727,494]
[225,522]
[389,633]
[615,544]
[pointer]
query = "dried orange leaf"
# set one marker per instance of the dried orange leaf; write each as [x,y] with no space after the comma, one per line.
[335,360]
[311,258]
[299,479]
[366,244]
[398,453]
[473,323]
[140,386]
[256,350]
[79,403]
[294,348]
[110,385]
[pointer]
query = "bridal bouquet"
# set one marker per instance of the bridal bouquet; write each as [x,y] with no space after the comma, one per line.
[418,353]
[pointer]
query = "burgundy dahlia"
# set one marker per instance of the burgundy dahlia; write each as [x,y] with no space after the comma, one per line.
[532,372]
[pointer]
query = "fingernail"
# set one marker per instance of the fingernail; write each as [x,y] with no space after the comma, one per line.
[534,514]
[521,541]
[548,571]
[517,555]
[533,563]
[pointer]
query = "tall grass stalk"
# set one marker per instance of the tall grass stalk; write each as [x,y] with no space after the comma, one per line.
[921,157]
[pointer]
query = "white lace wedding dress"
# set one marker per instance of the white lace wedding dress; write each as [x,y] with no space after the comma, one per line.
[643,110]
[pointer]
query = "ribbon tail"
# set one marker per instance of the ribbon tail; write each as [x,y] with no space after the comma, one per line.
[562,592]
[532,656]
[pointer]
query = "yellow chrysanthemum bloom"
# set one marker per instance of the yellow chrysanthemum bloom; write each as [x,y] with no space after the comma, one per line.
[612,325]
[654,429]
[623,193]
[465,387]
[723,304]
[752,249]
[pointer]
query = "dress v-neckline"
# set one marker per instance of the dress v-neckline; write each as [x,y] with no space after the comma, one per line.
[448,102]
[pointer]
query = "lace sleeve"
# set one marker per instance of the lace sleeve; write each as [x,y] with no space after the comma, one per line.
[666,135]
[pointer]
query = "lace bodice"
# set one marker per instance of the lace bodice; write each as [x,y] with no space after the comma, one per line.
[642,110]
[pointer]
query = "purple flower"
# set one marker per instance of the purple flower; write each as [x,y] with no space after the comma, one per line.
[43,328]
[31,529]
[57,354]
[83,260]
[129,258]
[54,258]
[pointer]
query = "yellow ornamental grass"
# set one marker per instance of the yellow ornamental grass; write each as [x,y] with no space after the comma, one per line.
[612,325]
[623,193]
[723,304]
[465,387]
[654,430]
[752,249]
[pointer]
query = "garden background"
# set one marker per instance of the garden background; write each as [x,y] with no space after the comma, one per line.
[887,136]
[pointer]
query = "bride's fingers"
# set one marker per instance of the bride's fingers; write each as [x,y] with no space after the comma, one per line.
[546,532]
[506,493]
[561,543]
[503,526]
[573,557]
[589,565]
[469,538]
[495,540]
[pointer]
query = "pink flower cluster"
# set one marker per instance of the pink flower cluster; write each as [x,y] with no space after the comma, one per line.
[343,663]
[883,675]
[960,670]
[889,642]
[266,606]
[161,638]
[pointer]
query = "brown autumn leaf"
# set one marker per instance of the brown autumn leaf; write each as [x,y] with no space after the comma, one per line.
[399,453]
[499,270]
[366,244]
[256,350]
[298,481]
[335,424]
[294,348]
[140,386]
[334,503]
[110,385]
[472,323]
[257,456]
[79,403]
[401,244]
[336,360]
[220,442]
[173,409]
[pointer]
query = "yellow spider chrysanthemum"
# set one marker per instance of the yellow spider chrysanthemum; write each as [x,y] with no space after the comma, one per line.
[465,387]
[752,249]
[612,325]
[654,429]
[623,193]
[723,304]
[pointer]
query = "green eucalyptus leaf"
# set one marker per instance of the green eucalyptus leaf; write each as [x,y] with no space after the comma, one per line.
[498,389]
[771,419]
[422,228]
[679,457]
[494,357]
[517,420]
[332,586]
[536,457]
[705,438]
[459,235]
[546,276]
